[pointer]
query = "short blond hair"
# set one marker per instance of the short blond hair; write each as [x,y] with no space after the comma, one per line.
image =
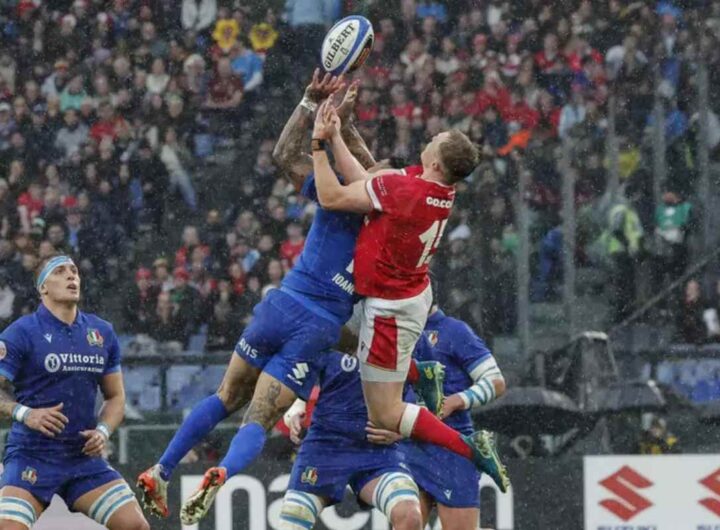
[458,156]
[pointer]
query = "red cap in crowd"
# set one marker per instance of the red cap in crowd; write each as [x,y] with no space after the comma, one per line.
[143,273]
[181,273]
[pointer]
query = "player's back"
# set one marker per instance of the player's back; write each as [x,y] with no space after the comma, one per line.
[340,409]
[323,271]
[401,234]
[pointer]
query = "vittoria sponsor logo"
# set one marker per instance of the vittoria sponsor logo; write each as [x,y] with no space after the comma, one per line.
[624,483]
[74,362]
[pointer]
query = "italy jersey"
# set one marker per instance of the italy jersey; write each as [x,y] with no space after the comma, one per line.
[444,475]
[50,362]
[336,453]
[323,272]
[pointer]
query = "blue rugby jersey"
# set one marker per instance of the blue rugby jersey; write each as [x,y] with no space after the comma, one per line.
[452,342]
[50,362]
[322,275]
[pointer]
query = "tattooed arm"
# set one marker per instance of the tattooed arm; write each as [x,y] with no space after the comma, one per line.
[291,153]
[7,400]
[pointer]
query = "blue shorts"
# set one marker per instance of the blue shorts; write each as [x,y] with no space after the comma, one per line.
[449,479]
[283,339]
[43,477]
[326,467]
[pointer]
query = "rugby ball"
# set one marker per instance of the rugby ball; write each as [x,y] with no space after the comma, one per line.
[347,45]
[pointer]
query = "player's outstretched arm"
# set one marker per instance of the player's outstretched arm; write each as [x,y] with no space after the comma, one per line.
[351,136]
[332,195]
[112,413]
[291,154]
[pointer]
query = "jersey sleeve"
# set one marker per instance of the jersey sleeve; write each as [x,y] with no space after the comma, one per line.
[113,364]
[394,193]
[13,349]
[469,349]
[308,189]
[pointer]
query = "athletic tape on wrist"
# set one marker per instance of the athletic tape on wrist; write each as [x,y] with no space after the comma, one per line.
[20,412]
[309,105]
[104,430]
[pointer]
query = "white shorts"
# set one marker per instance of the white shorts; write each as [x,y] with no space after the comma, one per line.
[389,330]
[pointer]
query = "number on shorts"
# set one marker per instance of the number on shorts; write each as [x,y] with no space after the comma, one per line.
[431,238]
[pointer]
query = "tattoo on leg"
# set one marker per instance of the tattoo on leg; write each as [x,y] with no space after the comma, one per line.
[265,409]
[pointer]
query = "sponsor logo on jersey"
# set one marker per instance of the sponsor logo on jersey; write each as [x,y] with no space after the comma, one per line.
[94,338]
[245,347]
[300,370]
[3,350]
[348,363]
[439,203]
[29,475]
[309,476]
[48,337]
[432,337]
[74,362]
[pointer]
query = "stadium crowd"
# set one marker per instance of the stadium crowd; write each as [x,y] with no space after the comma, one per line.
[112,114]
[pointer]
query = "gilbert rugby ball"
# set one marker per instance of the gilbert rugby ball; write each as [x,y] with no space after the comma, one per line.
[347,45]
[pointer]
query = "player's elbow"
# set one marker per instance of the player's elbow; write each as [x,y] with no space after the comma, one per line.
[330,201]
[499,385]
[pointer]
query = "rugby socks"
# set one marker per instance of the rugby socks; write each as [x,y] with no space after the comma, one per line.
[199,423]
[246,446]
[413,374]
[422,425]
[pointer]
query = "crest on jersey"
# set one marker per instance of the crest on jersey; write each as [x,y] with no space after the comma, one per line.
[29,475]
[3,350]
[348,363]
[432,337]
[94,338]
[309,476]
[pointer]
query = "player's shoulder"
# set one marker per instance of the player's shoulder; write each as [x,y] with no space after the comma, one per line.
[91,320]
[456,328]
[24,324]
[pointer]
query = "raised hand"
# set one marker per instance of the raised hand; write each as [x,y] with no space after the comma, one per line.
[49,421]
[347,106]
[320,89]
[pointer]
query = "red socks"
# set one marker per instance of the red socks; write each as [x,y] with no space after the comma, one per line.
[429,428]
[413,374]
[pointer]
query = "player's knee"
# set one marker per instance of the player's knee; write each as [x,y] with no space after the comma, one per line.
[299,511]
[406,515]
[234,393]
[17,514]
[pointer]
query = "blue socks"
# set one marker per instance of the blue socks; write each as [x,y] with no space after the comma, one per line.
[246,446]
[200,422]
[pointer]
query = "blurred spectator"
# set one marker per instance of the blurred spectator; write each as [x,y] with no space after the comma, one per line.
[223,328]
[224,97]
[161,275]
[691,323]
[292,247]
[7,300]
[246,64]
[141,303]
[176,158]
[186,301]
[673,222]
[166,325]
[72,136]
[151,172]
[656,439]
[198,15]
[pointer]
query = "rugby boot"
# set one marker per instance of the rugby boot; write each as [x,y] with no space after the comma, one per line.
[430,385]
[154,491]
[486,459]
[199,503]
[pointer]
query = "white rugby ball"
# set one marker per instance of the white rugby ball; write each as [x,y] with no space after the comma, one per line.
[347,45]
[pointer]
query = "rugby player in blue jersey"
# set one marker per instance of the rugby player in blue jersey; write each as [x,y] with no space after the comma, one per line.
[336,453]
[52,363]
[290,327]
[472,379]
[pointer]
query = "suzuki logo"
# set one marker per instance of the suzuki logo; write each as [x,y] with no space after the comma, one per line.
[712,482]
[623,483]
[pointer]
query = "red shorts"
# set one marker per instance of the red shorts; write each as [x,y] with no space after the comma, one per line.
[389,330]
